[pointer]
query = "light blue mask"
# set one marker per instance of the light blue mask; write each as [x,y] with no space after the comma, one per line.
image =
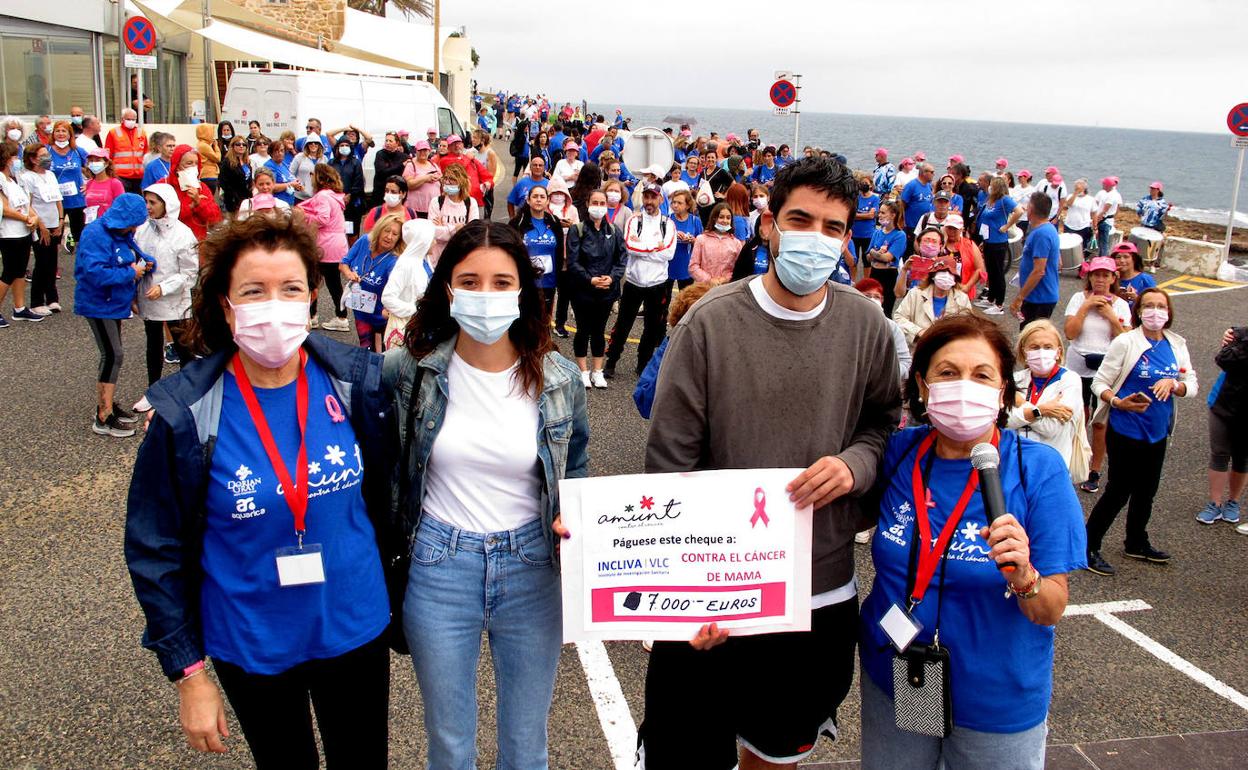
[485,315]
[806,260]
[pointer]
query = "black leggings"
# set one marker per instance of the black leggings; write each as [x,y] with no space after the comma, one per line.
[861,246]
[1134,473]
[654,321]
[107,333]
[43,278]
[995,255]
[591,327]
[887,276]
[77,221]
[565,299]
[154,331]
[333,279]
[14,257]
[350,694]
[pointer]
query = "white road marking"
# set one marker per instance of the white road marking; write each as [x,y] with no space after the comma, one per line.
[613,712]
[1102,611]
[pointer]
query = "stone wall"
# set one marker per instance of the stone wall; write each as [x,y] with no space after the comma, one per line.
[1184,255]
[303,21]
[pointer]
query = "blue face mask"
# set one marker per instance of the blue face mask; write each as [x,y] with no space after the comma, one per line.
[806,260]
[485,315]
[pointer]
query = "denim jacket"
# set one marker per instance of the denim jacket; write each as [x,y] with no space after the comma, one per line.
[562,428]
[165,514]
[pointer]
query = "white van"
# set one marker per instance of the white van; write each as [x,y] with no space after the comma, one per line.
[284,99]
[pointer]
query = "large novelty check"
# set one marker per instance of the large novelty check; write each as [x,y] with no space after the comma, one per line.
[656,556]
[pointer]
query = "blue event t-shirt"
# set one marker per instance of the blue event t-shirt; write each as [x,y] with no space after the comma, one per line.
[282,175]
[741,228]
[762,258]
[976,623]
[156,170]
[248,618]
[68,169]
[918,199]
[1041,243]
[993,217]
[678,267]
[1157,363]
[539,239]
[864,228]
[1139,282]
[938,305]
[374,274]
[520,193]
[764,175]
[894,241]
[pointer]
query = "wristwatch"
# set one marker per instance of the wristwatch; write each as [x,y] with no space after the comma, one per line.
[1035,412]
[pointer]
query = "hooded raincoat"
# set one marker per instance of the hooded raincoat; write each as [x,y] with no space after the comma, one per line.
[199,214]
[176,251]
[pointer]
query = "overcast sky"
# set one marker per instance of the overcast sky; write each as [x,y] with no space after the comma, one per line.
[1160,64]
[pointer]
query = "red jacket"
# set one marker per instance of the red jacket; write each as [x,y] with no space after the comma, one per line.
[197,216]
[477,173]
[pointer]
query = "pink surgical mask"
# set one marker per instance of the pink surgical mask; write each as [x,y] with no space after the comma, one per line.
[929,249]
[1154,318]
[270,332]
[962,410]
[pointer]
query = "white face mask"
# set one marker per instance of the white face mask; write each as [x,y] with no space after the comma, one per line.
[96,166]
[485,315]
[760,203]
[961,409]
[1154,318]
[723,228]
[15,134]
[392,199]
[128,123]
[451,189]
[613,198]
[1041,361]
[61,144]
[597,212]
[943,281]
[270,332]
[344,150]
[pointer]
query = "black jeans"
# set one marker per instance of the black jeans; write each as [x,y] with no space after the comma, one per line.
[154,350]
[43,277]
[887,276]
[333,280]
[591,327]
[565,299]
[1033,310]
[488,197]
[350,694]
[1134,473]
[995,255]
[652,301]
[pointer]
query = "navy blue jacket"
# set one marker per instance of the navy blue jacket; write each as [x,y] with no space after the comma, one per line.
[165,511]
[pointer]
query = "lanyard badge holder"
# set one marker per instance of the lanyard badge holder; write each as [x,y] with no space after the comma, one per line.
[300,564]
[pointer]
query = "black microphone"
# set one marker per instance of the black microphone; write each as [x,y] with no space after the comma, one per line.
[987,461]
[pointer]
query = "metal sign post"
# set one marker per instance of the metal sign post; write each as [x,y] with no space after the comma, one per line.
[784,94]
[1237,122]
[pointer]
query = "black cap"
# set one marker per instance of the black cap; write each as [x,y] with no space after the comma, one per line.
[943,195]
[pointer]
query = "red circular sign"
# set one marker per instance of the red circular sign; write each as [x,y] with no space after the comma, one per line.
[1237,119]
[783,93]
[140,36]
[276,116]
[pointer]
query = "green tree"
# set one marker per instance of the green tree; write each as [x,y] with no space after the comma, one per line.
[378,7]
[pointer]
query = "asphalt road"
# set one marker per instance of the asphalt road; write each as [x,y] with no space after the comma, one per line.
[77,690]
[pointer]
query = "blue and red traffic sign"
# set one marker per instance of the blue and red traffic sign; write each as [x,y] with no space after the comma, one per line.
[783,93]
[1237,120]
[140,36]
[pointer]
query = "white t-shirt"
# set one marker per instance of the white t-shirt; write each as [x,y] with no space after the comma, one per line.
[18,199]
[904,178]
[568,170]
[673,186]
[1096,334]
[1113,198]
[484,472]
[85,143]
[44,193]
[1079,213]
[257,161]
[1056,192]
[1021,195]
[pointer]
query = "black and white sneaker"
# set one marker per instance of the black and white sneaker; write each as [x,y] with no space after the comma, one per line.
[124,416]
[110,426]
[1147,553]
[1098,565]
[26,314]
[171,354]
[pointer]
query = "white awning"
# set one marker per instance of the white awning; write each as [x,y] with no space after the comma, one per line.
[391,37]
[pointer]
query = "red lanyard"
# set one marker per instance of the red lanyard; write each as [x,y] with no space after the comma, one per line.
[296,493]
[1033,395]
[930,556]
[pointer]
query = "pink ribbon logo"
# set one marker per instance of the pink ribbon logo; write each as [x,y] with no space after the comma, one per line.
[335,409]
[760,508]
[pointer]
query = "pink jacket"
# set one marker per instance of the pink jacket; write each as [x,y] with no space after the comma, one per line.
[325,211]
[713,257]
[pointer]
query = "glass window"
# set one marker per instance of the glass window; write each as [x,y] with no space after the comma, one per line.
[25,68]
[110,79]
[170,96]
[73,76]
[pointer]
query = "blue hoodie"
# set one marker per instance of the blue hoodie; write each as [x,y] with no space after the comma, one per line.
[102,263]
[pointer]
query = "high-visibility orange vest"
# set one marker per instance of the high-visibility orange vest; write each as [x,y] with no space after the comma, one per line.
[127,148]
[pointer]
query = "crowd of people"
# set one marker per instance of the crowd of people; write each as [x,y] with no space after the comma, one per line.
[422,484]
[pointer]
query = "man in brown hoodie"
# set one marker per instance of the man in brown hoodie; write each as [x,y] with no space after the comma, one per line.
[781,370]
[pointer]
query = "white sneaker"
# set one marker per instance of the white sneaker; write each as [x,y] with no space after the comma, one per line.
[994,310]
[41,310]
[55,307]
[142,405]
[982,302]
[862,538]
[336,325]
[1242,528]
[316,322]
[599,379]
[585,378]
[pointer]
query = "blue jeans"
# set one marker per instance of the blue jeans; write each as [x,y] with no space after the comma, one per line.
[1103,229]
[885,746]
[460,584]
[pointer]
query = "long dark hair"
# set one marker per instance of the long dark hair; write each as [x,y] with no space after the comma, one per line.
[432,324]
[588,180]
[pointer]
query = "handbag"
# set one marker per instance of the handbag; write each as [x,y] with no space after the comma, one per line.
[1080,455]
[922,697]
[1093,360]
[393,336]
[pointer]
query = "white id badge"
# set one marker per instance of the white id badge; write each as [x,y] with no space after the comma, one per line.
[983,232]
[300,566]
[348,228]
[900,627]
[69,189]
[360,300]
[90,213]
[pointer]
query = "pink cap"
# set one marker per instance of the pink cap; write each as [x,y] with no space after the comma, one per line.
[1110,180]
[1100,263]
[1051,170]
[953,220]
[906,162]
[263,201]
[732,137]
[686,132]
[571,145]
[422,145]
[955,158]
[881,151]
[920,156]
[1057,179]
[402,132]
[98,152]
[1022,172]
[1002,162]
[431,130]
[1157,186]
[453,139]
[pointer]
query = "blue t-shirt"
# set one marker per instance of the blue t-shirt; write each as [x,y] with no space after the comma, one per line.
[762,258]
[741,228]
[976,623]
[994,218]
[864,228]
[520,193]
[1158,363]
[1139,282]
[895,242]
[764,175]
[157,170]
[678,267]
[281,175]
[938,305]
[68,168]
[374,272]
[1041,243]
[692,181]
[248,618]
[540,241]
[918,199]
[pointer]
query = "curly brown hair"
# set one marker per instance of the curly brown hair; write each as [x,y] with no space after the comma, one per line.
[206,331]
[325,177]
[685,298]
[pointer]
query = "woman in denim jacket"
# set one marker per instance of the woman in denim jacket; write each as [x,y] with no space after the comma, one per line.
[492,418]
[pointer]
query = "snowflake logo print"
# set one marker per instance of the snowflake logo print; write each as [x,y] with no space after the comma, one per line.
[243,472]
[970,531]
[314,467]
[334,454]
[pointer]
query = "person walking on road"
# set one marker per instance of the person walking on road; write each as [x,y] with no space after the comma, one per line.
[1039,266]
[596,262]
[650,238]
[18,222]
[1228,432]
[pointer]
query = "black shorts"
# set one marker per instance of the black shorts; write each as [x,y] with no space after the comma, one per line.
[775,693]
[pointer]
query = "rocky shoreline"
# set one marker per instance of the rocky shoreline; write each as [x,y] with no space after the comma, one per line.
[1197,231]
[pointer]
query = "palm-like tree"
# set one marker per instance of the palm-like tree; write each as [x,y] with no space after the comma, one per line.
[378,7]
